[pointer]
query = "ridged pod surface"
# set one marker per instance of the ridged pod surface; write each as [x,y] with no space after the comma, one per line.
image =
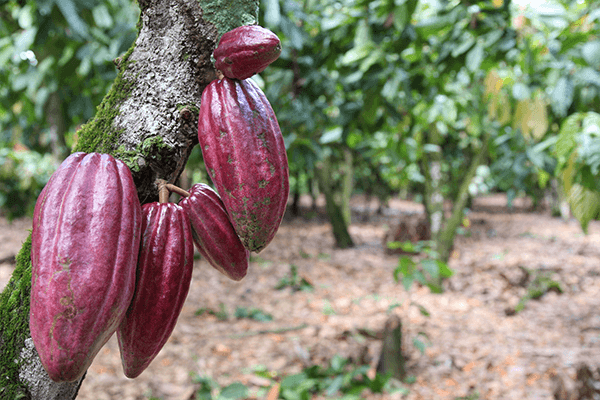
[245,155]
[213,233]
[85,242]
[245,51]
[164,273]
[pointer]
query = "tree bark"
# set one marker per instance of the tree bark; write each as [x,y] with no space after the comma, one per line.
[445,238]
[335,213]
[148,120]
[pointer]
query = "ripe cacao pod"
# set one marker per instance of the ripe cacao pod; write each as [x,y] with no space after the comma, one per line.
[245,51]
[85,242]
[213,233]
[244,153]
[164,273]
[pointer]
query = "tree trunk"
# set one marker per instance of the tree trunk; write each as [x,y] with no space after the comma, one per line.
[391,359]
[347,186]
[443,230]
[149,120]
[342,237]
[433,199]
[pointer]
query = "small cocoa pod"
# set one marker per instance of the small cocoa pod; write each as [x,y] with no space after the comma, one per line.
[164,273]
[85,242]
[245,155]
[213,233]
[245,51]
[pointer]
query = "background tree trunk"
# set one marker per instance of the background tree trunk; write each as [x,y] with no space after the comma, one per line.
[335,211]
[148,120]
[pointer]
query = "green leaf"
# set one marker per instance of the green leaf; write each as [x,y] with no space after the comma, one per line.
[588,76]
[475,57]
[445,271]
[407,282]
[272,13]
[591,53]
[466,42]
[521,91]
[333,135]
[585,205]
[235,391]
[102,16]
[419,345]
[362,37]
[567,137]
[562,96]
[71,14]
[335,385]
[355,54]
[292,381]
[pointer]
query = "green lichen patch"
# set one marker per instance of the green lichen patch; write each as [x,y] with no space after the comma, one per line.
[149,148]
[14,312]
[229,14]
[192,107]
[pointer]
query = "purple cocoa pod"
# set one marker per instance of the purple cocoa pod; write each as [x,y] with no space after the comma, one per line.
[245,51]
[213,233]
[245,155]
[85,242]
[164,273]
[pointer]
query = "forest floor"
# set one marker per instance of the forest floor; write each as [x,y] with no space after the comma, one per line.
[476,346]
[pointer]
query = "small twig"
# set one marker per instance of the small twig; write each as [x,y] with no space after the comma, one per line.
[266,331]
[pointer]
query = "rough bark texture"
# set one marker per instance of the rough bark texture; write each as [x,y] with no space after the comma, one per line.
[149,120]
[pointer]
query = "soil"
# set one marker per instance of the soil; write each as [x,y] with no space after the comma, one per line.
[476,344]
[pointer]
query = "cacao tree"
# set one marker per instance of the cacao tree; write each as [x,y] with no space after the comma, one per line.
[148,119]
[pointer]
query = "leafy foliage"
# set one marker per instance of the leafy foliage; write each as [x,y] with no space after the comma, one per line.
[428,271]
[294,281]
[340,379]
[541,284]
[56,65]
[23,174]
[578,152]
[252,313]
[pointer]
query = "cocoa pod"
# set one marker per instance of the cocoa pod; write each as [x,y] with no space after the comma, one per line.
[245,51]
[245,155]
[85,242]
[213,233]
[164,273]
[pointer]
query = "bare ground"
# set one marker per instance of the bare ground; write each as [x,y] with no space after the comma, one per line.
[475,345]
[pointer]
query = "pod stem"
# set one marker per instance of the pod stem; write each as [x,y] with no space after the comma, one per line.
[177,189]
[163,191]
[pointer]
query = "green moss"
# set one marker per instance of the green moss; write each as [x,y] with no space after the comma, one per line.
[229,14]
[99,135]
[190,107]
[151,146]
[14,314]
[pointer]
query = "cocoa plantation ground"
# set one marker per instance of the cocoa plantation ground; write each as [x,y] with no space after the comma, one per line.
[476,345]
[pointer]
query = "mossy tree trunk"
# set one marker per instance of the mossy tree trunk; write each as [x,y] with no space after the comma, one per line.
[445,238]
[334,206]
[443,229]
[149,120]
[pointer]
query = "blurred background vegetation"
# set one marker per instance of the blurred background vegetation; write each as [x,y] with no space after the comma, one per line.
[434,100]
